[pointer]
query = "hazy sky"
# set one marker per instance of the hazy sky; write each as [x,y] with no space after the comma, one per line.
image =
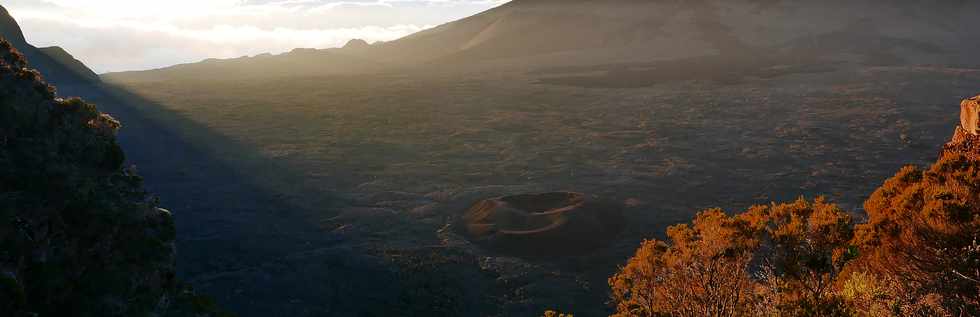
[115,35]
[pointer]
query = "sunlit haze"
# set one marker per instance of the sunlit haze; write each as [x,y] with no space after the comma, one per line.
[117,35]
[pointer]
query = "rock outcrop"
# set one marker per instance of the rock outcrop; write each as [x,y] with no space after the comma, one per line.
[968,114]
[966,139]
[557,223]
[78,234]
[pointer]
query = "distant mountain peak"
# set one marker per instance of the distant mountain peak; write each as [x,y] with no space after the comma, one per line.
[9,28]
[55,64]
[356,43]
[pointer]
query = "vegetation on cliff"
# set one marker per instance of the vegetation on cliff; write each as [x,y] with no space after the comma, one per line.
[79,236]
[916,255]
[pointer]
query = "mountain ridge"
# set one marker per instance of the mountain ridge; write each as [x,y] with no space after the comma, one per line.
[528,34]
[10,29]
[58,66]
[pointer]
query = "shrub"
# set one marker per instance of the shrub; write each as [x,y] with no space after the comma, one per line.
[918,254]
[796,251]
[922,231]
[704,272]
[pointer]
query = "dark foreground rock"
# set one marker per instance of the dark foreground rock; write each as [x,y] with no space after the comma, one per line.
[78,234]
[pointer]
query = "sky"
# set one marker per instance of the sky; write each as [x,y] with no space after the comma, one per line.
[120,35]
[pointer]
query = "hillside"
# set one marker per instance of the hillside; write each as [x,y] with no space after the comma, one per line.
[59,67]
[296,63]
[619,30]
[80,236]
[527,34]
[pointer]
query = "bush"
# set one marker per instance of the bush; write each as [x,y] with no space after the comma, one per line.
[796,251]
[922,232]
[918,254]
[704,272]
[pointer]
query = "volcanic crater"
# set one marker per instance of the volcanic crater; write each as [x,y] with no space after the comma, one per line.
[554,223]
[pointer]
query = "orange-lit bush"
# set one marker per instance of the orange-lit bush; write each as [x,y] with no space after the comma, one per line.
[782,259]
[809,248]
[704,272]
[918,254]
[922,231]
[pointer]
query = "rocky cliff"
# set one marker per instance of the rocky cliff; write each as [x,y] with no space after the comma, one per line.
[78,234]
[965,138]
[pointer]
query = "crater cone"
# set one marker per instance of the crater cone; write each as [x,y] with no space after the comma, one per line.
[556,223]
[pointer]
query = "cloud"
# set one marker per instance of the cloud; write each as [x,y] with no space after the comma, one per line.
[115,35]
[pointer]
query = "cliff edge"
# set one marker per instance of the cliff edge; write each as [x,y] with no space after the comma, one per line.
[966,139]
[79,236]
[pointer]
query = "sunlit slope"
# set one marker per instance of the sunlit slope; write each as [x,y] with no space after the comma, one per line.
[913,31]
[538,33]
[297,63]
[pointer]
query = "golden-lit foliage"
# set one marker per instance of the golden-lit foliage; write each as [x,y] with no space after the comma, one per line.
[868,292]
[810,245]
[917,255]
[922,231]
[710,267]
[703,273]
[552,313]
